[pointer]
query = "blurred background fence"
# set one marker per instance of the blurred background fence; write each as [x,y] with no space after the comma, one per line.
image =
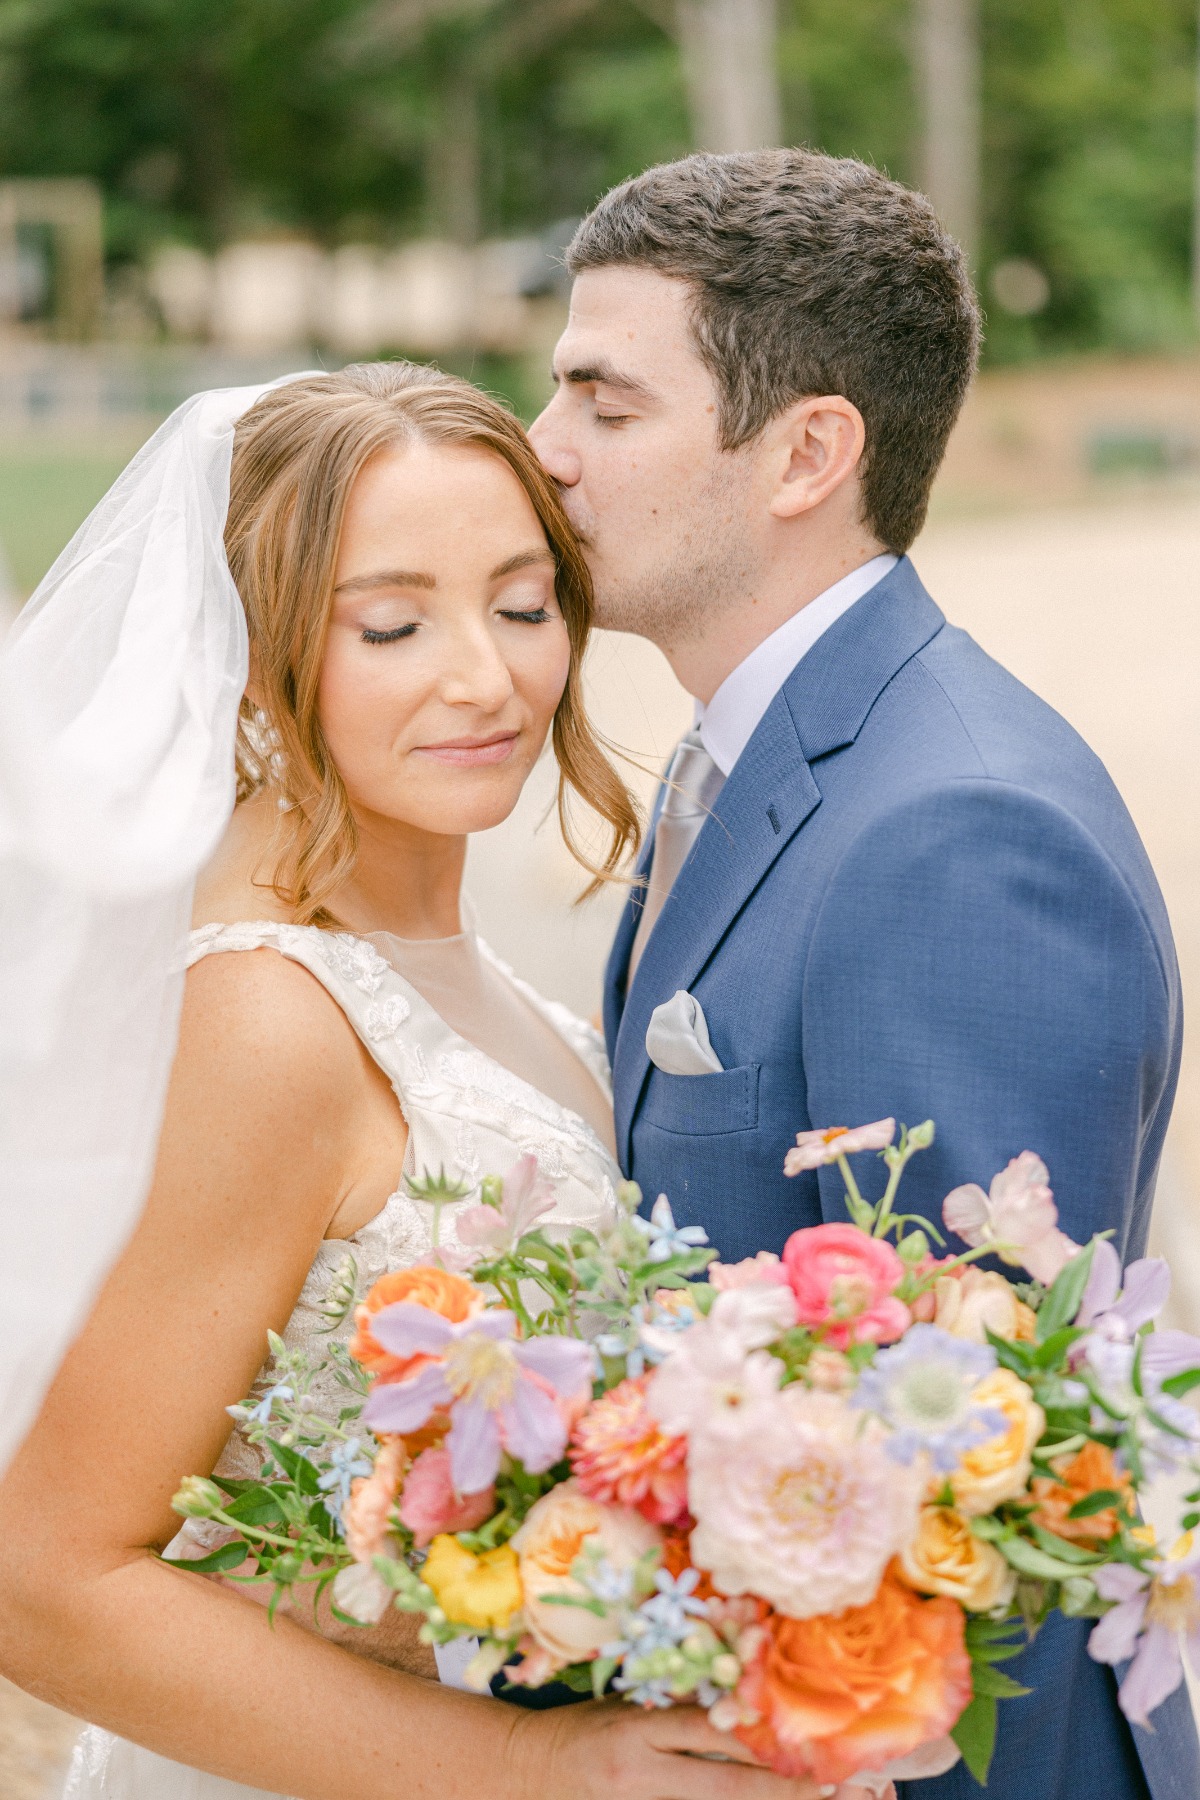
[202,192]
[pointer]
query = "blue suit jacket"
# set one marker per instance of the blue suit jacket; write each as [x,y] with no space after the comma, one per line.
[919,894]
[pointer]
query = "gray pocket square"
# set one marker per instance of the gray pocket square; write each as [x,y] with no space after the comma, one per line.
[677,1038]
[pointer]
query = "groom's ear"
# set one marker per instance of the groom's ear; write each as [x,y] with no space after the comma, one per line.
[813,448]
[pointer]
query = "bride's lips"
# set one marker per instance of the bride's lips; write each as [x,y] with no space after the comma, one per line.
[471,753]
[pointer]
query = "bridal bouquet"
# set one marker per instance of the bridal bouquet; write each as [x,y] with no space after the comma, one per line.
[824,1496]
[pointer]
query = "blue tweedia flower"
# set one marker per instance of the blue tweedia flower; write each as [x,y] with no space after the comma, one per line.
[261,1414]
[346,1461]
[665,1237]
[922,1387]
[651,1653]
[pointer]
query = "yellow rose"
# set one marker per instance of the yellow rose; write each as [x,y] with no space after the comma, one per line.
[999,1468]
[977,1301]
[947,1558]
[482,1591]
[558,1529]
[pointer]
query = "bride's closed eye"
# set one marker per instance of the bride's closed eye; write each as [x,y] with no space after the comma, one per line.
[371,636]
[536,615]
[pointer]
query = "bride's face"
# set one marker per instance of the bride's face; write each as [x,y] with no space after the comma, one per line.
[447,652]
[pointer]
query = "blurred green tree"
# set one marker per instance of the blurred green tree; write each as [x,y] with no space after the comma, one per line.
[205,119]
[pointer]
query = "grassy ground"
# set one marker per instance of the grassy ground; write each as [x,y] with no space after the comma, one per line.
[45,491]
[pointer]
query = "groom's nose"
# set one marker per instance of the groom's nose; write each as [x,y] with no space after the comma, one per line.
[550,438]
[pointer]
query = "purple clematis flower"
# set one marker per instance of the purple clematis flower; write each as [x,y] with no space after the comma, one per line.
[1117,1309]
[1154,1611]
[501,1393]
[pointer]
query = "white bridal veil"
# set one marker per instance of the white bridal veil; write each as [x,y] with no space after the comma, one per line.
[119,690]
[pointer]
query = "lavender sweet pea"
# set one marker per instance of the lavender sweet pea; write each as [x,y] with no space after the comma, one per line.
[500,1393]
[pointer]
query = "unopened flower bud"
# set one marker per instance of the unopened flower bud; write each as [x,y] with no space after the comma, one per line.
[198,1498]
[725,1670]
[914,1247]
[921,1136]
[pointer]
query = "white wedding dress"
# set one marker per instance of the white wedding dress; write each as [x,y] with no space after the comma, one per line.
[466,1112]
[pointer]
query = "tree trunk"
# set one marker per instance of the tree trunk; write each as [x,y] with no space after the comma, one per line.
[729,66]
[948,81]
[454,173]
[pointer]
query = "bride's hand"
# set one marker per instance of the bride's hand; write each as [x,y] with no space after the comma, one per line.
[594,1751]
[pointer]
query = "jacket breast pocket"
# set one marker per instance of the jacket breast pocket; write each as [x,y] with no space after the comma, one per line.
[703,1105]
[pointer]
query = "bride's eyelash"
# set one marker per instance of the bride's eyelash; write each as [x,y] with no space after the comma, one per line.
[537,616]
[370,636]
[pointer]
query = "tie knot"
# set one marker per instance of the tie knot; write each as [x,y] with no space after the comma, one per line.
[693,780]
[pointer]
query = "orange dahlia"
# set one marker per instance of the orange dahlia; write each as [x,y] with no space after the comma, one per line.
[618,1452]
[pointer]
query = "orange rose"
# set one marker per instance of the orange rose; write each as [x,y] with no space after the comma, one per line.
[1078,1476]
[856,1689]
[425,1284]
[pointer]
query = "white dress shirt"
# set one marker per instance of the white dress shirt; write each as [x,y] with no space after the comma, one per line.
[728,722]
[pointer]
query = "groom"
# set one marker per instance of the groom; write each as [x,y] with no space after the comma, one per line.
[884,879]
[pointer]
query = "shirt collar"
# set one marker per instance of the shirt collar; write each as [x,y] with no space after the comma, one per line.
[728,722]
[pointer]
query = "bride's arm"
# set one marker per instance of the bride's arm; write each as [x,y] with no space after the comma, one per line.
[266,1140]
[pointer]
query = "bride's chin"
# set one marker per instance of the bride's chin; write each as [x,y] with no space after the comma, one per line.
[461,805]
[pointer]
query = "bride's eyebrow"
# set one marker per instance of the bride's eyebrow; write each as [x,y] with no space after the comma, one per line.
[524,559]
[360,584]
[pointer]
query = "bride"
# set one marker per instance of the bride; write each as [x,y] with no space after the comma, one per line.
[417,612]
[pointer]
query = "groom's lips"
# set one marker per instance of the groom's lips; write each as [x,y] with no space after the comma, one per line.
[471,753]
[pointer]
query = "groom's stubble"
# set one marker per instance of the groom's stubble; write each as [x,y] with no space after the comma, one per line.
[702,563]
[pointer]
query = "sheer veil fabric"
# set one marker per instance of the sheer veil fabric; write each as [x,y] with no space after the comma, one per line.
[119,691]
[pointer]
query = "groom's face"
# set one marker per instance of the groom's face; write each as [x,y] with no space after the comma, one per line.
[631,437]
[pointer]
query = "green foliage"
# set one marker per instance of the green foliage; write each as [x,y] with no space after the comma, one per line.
[203,119]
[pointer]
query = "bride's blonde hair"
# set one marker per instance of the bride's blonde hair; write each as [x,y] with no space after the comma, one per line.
[296,455]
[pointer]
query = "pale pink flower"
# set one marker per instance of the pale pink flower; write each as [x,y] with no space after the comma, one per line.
[1018,1216]
[813,1148]
[525,1198]
[799,1503]
[709,1381]
[843,1281]
[429,1503]
[754,1315]
[763,1270]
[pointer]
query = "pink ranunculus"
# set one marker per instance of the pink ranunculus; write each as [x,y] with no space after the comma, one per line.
[843,1281]
[814,1148]
[763,1270]
[1017,1215]
[429,1504]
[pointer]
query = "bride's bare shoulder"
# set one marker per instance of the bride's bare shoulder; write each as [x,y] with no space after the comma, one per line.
[255,1022]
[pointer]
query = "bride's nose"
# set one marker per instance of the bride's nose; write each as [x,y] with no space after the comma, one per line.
[476,673]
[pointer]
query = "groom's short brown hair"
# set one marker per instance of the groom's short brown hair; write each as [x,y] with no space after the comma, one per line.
[812,274]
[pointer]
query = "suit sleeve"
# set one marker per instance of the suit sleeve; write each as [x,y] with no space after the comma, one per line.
[978,960]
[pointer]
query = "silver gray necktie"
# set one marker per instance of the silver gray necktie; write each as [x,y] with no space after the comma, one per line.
[693,783]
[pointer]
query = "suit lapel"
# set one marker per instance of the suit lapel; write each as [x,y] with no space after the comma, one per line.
[770,794]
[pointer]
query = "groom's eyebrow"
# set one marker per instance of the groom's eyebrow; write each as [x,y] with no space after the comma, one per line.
[601,372]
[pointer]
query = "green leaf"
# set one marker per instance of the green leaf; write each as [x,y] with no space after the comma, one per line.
[1053,1545]
[295,1465]
[1017,1357]
[987,1680]
[1078,1599]
[1178,1385]
[602,1670]
[975,1735]
[1055,1344]
[1094,1503]
[229,1556]
[256,1505]
[1029,1560]
[1062,1302]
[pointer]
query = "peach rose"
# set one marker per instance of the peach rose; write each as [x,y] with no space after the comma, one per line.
[999,1468]
[369,1509]
[843,1281]
[558,1529]
[424,1284]
[976,1301]
[1085,1473]
[945,1557]
[857,1689]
